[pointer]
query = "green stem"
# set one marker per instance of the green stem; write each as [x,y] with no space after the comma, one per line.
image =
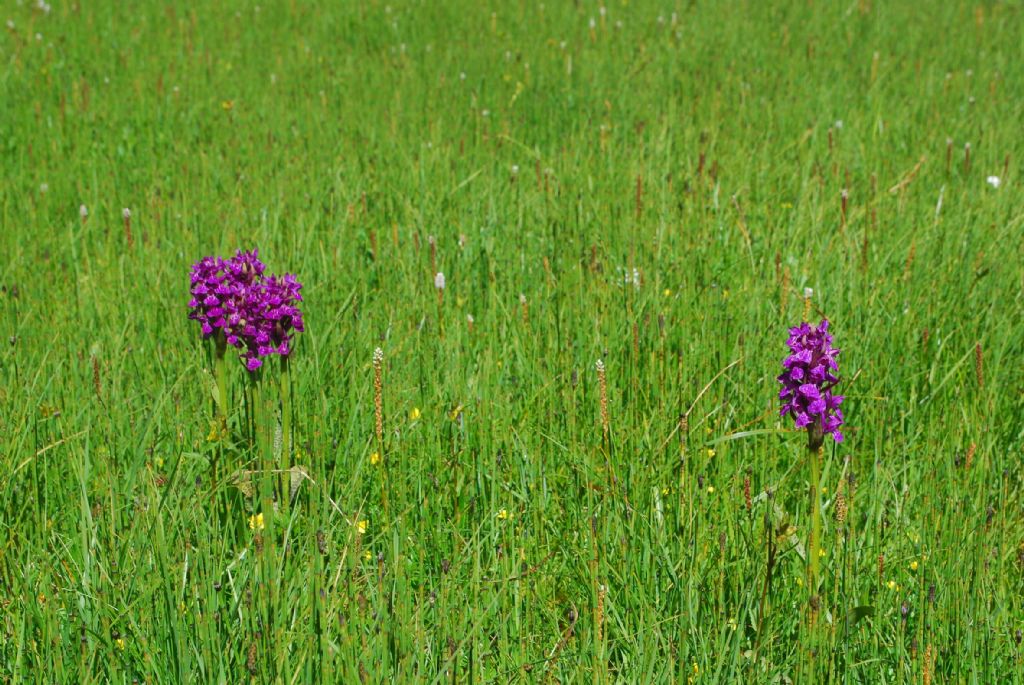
[286,415]
[221,371]
[815,457]
[286,435]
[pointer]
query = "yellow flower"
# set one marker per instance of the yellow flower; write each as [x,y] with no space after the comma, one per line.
[891,585]
[711,453]
[41,598]
[503,514]
[362,526]
[414,415]
[454,414]
[228,105]
[256,521]
[367,556]
[711,489]
[725,293]
[787,205]
[821,552]
[732,623]
[375,458]
[120,643]
[913,565]
[665,490]
[667,292]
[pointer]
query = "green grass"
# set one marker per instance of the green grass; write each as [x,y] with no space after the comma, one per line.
[337,139]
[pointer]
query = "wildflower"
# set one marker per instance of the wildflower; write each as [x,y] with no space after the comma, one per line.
[439,280]
[367,555]
[667,292]
[993,181]
[913,565]
[120,643]
[415,414]
[503,515]
[711,453]
[227,105]
[515,169]
[891,585]
[44,187]
[711,489]
[126,214]
[362,525]
[375,458]
[83,212]
[808,379]
[256,521]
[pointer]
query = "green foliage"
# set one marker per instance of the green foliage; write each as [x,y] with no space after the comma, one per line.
[506,540]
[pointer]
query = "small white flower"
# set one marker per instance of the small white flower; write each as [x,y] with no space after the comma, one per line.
[439,280]
[470,319]
[83,211]
[993,181]
[126,213]
[599,365]
[378,356]
[485,112]
[808,293]
[603,10]
[515,169]
[522,298]
[462,76]
[838,124]
[43,187]
[593,23]
[10,24]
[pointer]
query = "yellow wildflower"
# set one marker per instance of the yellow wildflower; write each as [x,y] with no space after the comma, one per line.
[367,556]
[361,526]
[891,585]
[503,515]
[913,565]
[667,292]
[227,105]
[414,415]
[375,458]
[711,453]
[120,643]
[256,521]
[711,489]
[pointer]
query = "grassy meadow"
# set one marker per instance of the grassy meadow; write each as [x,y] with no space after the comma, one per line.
[651,185]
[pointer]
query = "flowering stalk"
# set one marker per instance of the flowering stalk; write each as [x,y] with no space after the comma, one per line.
[807,381]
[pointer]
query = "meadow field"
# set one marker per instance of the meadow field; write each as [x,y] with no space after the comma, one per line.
[566,462]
